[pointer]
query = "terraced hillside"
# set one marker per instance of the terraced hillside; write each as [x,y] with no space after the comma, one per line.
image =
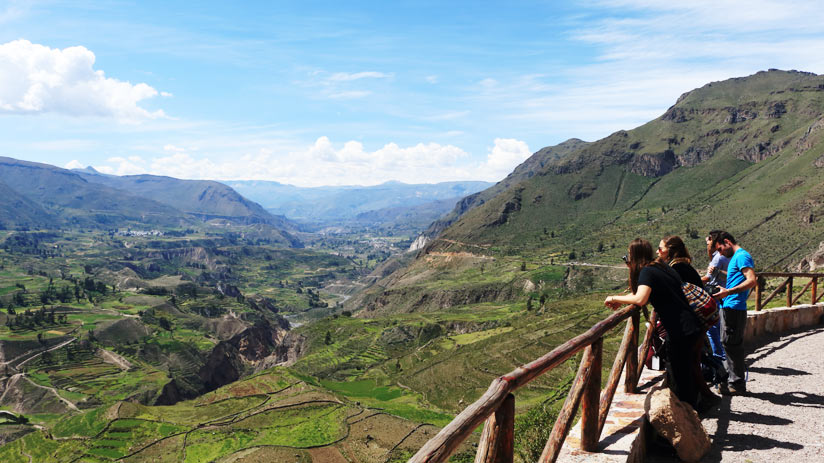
[274,416]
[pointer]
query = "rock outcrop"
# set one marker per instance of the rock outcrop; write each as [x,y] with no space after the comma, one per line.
[678,423]
[813,261]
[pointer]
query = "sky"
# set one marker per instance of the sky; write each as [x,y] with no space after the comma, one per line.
[314,93]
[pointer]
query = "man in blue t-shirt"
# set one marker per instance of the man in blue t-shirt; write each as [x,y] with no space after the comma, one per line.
[740,279]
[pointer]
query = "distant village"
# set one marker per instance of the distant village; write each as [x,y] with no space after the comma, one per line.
[130,232]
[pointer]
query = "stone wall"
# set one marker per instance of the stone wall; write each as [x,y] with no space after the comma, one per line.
[782,319]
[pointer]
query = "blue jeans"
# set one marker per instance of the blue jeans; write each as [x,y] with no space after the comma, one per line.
[714,333]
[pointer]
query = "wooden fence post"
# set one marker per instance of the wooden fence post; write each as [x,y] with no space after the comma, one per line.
[498,438]
[564,421]
[758,290]
[590,429]
[631,372]
[642,354]
[815,290]
[790,292]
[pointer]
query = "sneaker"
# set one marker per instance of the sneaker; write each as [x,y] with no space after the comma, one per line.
[731,389]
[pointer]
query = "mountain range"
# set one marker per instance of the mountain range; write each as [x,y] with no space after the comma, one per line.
[745,155]
[334,204]
[36,195]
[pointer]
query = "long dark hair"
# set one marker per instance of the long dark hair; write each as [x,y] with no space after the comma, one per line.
[639,255]
[676,248]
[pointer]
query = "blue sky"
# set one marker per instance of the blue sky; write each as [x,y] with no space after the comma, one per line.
[335,93]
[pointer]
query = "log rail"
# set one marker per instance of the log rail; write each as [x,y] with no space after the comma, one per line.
[787,285]
[496,406]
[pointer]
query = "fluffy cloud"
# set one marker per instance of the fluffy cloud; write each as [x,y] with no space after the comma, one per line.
[321,163]
[327,163]
[133,165]
[502,158]
[37,79]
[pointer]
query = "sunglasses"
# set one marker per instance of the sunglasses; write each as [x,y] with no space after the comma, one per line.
[625,258]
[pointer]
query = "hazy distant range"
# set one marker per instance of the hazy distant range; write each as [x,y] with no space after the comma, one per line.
[385,202]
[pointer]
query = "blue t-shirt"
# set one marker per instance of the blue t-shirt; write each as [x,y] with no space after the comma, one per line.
[740,260]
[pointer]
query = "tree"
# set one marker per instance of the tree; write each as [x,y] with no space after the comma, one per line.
[328,338]
[523,266]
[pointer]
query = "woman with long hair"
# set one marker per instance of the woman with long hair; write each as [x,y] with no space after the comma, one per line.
[673,251]
[652,281]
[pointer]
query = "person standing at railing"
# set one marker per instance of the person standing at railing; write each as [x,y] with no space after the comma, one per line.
[655,282]
[714,280]
[673,251]
[740,279]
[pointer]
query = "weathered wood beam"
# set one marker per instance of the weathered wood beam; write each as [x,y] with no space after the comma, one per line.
[567,414]
[642,354]
[758,296]
[775,293]
[614,378]
[790,292]
[630,376]
[801,293]
[789,274]
[590,431]
[497,444]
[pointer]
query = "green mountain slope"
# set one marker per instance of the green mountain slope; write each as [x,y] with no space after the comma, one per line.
[744,155]
[203,198]
[534,164]
[65,194]
[18,211]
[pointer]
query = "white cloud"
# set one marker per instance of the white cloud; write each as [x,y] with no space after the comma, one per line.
[503,158]
[173,148]
[36,79]
[74,164]
[640,55]
[321,163]
[133,165]
[345,77]
[431,79]
[342,85]
[349,95]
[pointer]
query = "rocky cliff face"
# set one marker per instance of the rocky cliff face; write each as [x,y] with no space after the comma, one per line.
[812,262]
[420,242]
[254,349]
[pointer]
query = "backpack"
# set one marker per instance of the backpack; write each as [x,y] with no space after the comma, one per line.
[702,303]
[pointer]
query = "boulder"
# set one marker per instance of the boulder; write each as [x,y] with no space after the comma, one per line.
[678,423]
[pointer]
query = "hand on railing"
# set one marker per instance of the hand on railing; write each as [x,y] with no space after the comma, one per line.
[612,303]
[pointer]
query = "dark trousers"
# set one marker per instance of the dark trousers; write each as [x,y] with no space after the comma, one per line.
[733,323]
[681,356]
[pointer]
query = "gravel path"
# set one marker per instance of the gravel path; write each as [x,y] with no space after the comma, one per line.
[782,416]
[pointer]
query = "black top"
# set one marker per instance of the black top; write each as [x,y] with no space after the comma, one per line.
[688,273]
[669,301]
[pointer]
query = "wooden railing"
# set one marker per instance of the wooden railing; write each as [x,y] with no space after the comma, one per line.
[788,285]
[497,405]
